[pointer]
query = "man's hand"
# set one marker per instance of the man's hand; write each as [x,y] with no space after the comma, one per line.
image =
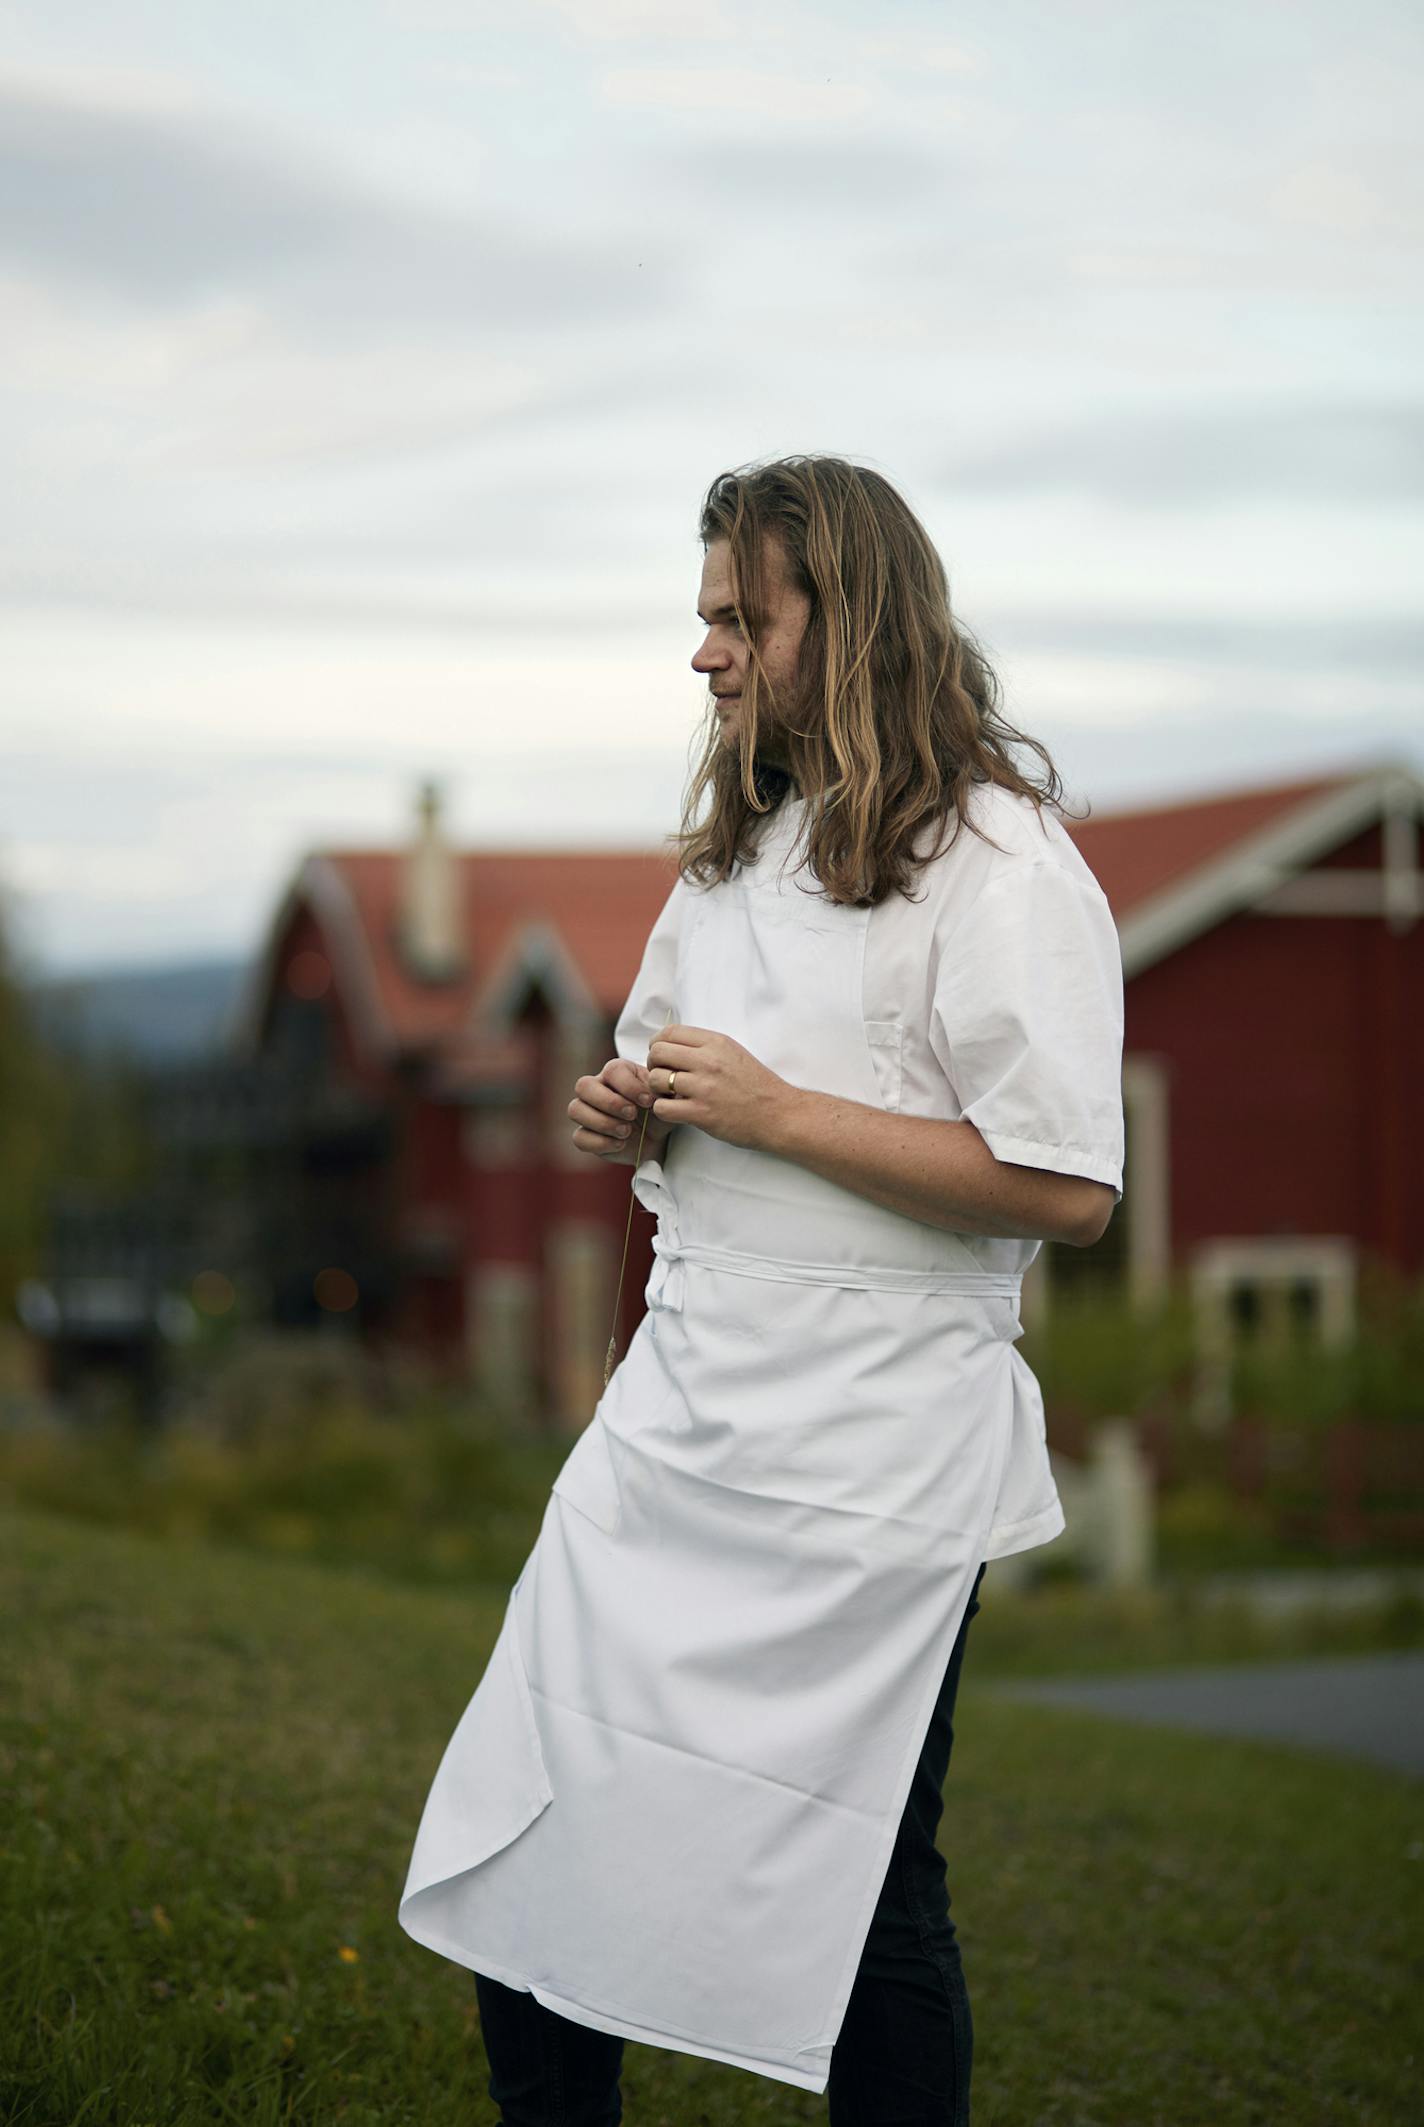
[719,1086]
[606,1109]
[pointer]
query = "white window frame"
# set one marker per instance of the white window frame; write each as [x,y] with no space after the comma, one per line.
[1147,1176]
[1146,1193]
[581,1270]
[502,1302]
[577,1050]
[1272,1262]
[496,1135]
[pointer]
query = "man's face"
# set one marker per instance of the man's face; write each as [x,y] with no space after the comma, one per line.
[723,654]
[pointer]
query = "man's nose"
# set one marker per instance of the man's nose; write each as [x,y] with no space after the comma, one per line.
[709,659]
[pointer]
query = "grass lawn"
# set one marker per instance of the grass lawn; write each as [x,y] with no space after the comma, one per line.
[214,1764]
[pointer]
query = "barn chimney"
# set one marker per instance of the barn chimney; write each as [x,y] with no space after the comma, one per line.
[430,933]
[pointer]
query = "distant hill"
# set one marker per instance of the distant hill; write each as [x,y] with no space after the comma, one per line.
[153,1014]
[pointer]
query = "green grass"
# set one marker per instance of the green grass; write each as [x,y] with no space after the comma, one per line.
[439,1497]
[214,1766]
[1068,1628]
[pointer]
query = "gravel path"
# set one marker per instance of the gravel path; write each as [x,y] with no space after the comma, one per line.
[1367,1706]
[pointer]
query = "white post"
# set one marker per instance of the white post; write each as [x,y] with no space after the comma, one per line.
[1123,1521]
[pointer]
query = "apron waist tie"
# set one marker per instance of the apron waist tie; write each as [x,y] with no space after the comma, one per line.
[667,1283]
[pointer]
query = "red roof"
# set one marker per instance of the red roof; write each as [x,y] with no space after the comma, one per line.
[599,906]
[1136,855]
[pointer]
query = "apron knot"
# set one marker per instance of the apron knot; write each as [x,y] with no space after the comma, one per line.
[665,1285]
[669,1277]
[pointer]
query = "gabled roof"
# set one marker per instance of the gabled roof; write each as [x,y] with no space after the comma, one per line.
[577,921]
[1138,855]
[1173,871]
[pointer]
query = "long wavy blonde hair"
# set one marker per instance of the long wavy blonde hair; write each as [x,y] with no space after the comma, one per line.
[894,711]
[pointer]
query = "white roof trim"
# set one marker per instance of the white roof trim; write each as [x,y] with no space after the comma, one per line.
[319,884]
[1253,868]
[536,956]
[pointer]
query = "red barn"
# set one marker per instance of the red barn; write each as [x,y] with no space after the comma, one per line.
[1274,988]
[446,1001]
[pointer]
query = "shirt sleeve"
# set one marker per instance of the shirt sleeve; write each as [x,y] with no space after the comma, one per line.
[1026,1020]
[651,1002]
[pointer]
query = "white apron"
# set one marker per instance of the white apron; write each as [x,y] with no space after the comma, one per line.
[669,1807]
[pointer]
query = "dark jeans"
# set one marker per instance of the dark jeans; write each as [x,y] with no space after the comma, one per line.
[903,2054]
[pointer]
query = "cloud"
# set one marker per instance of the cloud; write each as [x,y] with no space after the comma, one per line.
[818,176]
[597,21]
[1328,452]
[733,96]
[1117,767]
[653,21]
[920,50]
[168,206]
[1381,644]
[331,601]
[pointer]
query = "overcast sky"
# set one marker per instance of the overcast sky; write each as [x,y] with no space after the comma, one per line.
[362,367]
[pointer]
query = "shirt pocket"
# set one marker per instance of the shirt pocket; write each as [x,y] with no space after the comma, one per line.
[885,1039]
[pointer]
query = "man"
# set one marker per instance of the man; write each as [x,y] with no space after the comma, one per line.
[694,1798]
[940,1172]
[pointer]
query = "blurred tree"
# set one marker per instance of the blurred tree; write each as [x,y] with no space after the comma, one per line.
[31,1113]
[67,1120]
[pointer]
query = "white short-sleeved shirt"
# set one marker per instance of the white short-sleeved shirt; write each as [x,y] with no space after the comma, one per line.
[1000,978]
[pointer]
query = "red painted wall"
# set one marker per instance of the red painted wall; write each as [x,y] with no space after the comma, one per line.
[1295,1054]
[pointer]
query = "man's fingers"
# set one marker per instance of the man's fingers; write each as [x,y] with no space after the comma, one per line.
[604,1099]
[602,1147]
[607,1108]
[609,1122]
[626,1077]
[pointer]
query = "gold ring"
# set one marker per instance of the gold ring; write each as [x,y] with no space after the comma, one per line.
[672,1080]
